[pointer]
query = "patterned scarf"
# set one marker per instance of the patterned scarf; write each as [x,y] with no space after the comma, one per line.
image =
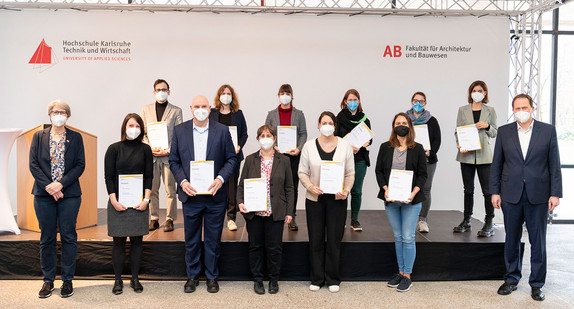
[421,119]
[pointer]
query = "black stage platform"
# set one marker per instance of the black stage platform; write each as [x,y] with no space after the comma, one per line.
[366,256]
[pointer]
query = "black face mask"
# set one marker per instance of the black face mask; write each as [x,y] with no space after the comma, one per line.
[401,131]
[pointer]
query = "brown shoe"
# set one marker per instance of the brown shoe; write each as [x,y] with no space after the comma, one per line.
[168,225]
[153,225]
[293,225]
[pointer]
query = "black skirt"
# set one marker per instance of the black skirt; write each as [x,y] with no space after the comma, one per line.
[127,223]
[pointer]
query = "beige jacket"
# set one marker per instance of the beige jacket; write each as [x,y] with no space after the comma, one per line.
[172,116]
[488,115]
[310,165]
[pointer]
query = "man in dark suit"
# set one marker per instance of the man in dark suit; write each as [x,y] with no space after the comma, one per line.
[526,181]
[202,140]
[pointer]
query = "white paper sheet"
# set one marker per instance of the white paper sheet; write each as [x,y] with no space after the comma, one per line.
[400,185]
[157,134]
[255,194]
[130,190]
[286,138]
[201,175]
[332,177]
[233,132]
[468,138]
[422,136]
[359,135]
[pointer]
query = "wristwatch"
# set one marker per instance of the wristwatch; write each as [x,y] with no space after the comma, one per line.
[146,200]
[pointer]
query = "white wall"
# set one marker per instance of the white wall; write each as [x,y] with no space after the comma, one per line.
[321,57]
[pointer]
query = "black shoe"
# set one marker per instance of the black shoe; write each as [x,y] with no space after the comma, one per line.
[464,226]
[273,287]
[212,286]
[356,226]
[258,287]
[488,228]
[67,289]
[136,285]
[404,285]
[46,290]
[537,294]
[153,225]
[293,225]
[395,280]
[190,285]
[118,287]
[168,225]
[506,288]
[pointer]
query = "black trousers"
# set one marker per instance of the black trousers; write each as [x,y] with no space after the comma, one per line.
[326,217]
[468,172]
[265,240]
[295,172]
[119,255]
[231,201]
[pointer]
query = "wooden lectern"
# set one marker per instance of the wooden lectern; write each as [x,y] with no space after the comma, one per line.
[88,215]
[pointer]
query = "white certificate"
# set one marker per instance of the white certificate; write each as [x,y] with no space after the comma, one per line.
[332,177]
[201,176]
[255,194]
[422,136]
[233,132]
[131,190]
[157,134]
[400,185]
[359,135]
[286,138]
[468,138]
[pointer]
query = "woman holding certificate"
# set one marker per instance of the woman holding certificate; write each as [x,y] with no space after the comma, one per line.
[327,171]
[265,198]
[227,112]
[128,168]
[350,116]
[476,124]
[401,174]
[423,120]
[289,122]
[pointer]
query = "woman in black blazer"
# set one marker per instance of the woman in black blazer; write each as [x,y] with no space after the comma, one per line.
[265,228]
[56,163]
[227,112]
[402,153]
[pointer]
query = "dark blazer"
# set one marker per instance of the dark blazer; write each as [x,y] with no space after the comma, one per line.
[435,139]
[41,169]
[238,120]
[220,149]
[539,173]
[280,184]
[416,162]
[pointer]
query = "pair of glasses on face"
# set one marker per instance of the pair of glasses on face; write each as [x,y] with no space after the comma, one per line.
[419,101]
[63,113]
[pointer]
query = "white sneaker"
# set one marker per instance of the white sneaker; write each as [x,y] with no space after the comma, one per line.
[423,226]
[314,288]
[333,288]
[231,225]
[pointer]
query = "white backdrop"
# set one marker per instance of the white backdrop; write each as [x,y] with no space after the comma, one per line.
[321,57]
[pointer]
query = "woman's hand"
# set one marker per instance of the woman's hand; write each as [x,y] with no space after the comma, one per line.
[119,207]
[58,195]
[386,188]
[237,148]
[288,219]
[355,149]
[242,208]
[294,151]
[54,187]
[461,150]
[315,190]
[481,125]
[411,197]
[141,206]
[341,195]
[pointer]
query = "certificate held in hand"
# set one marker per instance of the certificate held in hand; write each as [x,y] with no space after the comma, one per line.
[286,138]
[255,194]
[422,136]
[332,177]
[468,138]
[131,190]
[233,132]
[359,135]
[201,175]
[157,135]
[400,185]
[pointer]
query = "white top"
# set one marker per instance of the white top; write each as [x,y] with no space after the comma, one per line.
[200,142]
[524,137]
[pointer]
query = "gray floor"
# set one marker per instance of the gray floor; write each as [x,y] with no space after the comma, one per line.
[559,291]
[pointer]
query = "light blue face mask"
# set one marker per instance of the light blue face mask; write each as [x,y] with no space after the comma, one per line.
[418,107]
[352,105]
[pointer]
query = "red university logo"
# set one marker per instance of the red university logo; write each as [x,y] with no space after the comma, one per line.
[43,57]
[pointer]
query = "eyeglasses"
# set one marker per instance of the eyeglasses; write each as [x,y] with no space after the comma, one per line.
[63,113]
[420,101]
[163,89]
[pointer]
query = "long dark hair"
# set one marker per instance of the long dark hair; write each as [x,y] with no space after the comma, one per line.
[410,137]
[139,121]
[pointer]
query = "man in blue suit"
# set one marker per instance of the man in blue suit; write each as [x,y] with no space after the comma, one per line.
[201,140]
[526,181]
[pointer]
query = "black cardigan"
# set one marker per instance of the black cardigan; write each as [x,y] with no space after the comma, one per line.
[238,120]
[435,139]
[416,162]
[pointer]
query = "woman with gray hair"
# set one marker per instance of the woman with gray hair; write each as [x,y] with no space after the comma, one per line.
[56,163]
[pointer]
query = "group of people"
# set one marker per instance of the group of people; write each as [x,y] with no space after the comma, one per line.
[525,150]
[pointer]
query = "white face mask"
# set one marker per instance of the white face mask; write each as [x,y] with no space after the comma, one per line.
[266,143]
[161,96]
[133,133]
[522,116]
[225,99]
[200,114]
[58,120]
[477,96]
[327,129]
[285,99]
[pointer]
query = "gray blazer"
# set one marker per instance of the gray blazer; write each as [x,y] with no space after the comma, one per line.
[297,119]
[172,116]
[488,115]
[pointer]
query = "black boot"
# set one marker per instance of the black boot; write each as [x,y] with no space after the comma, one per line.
[464,226]
[488,228]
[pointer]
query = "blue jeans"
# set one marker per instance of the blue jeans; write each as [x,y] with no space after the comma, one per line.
[403,219]
[52,215]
